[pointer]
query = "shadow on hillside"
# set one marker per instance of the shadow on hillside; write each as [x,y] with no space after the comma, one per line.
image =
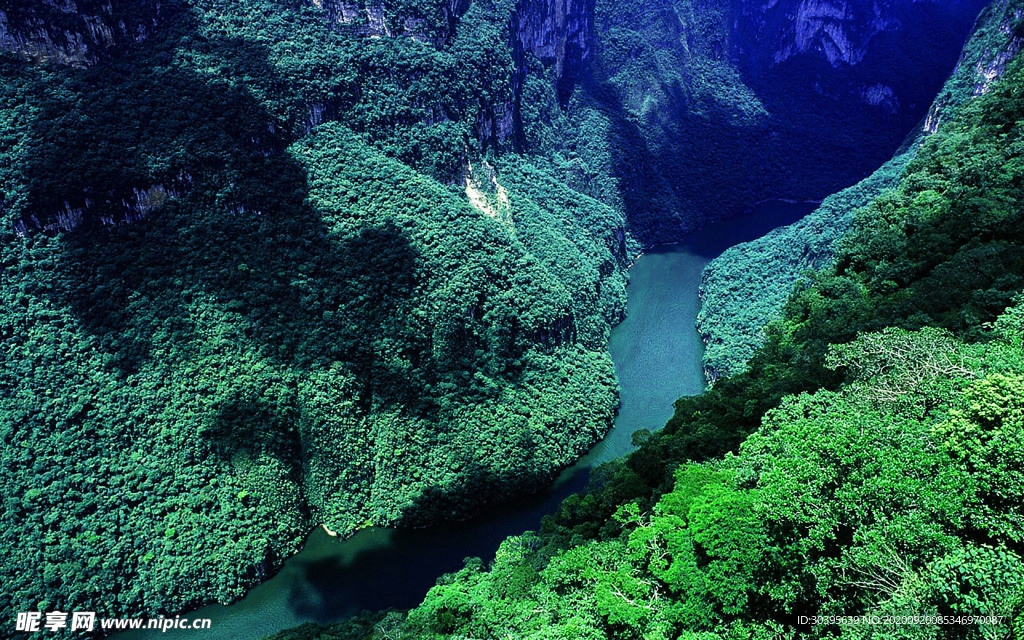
[699,149]
[396,567]
[227,241]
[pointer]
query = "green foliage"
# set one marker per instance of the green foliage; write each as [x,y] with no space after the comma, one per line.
[837,506]
[877,467]
[279,307]
[262,271]
[746,288]
[748,285]
[983,435]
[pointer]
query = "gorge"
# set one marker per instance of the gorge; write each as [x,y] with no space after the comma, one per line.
[270,265]
[657,355]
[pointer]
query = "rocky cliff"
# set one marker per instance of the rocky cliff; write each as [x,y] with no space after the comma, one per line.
[998,40]
[76,32]
[881,52]
[376,18]
[739,101]
[559,33]
[839,31]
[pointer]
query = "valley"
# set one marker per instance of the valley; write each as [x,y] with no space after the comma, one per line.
[280,266]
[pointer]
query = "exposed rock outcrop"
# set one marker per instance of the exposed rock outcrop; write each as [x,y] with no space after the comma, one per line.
[993,63]
[130,207]
[375,19]
[76,32]
[988,59]
[839,31]
[843,44]
[558,32]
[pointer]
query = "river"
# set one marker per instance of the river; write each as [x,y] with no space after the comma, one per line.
[657,355]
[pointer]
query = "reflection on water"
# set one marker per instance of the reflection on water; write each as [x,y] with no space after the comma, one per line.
[657,355]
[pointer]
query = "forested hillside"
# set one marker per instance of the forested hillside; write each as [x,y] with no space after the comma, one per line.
[867,462]
[260,273]
[745,288]
[272,264]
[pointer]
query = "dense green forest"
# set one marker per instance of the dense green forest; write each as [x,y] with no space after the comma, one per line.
[266,266]
[745,288]
[249,288]
[867,462]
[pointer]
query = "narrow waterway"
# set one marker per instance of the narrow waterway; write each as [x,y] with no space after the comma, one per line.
[657,355]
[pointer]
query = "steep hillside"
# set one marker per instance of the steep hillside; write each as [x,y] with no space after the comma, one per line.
[272,264]
[734,102]
[78,32]
[251,286]
[745,288]
[875,481]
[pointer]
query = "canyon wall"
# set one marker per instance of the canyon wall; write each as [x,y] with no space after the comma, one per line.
[745,288]
[889,55]
[77,32]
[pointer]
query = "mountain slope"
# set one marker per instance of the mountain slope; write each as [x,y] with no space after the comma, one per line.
[269,265]
[252,286]
[877,470]
[745,288]
[735,102]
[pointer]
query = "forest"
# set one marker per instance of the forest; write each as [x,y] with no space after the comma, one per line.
[275,264]
[244,294]
[867,462]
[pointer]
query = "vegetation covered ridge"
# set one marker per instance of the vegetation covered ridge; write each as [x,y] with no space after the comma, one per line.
[268,264]
[867,463]
[746,287]
[260,273]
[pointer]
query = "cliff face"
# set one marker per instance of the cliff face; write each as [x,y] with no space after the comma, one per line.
[76,32]
[999,39]
[381,19]
[880,52]
[740,101]
[1006,21]
[559,32]
[837,30]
